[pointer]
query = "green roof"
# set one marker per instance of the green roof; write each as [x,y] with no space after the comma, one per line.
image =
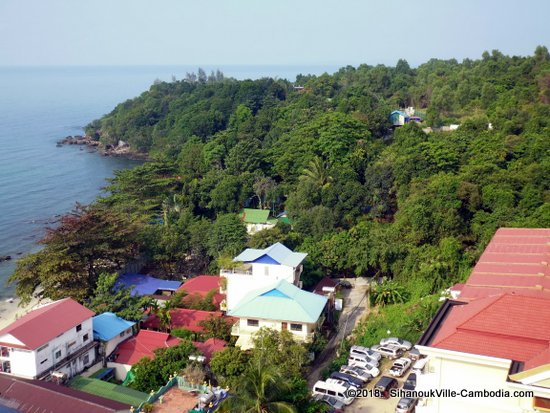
[109,390]
[281,301]
[255,216]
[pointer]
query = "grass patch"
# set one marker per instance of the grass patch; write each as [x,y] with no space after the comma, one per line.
[108,390]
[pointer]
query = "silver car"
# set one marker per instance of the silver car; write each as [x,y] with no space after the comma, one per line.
[357,372]
[394,341]
[389,350]
[331,401]
[406,405]
[365,352]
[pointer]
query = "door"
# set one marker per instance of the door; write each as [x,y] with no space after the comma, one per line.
[284,326]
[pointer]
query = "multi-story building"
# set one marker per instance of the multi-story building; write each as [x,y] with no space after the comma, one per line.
[57,337]
[260,268]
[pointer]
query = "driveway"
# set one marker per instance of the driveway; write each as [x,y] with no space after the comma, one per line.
[355,306]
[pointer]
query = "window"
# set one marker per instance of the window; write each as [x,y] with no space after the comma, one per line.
[86,359]
[331,393]
[4,352]
[5,367]
[72,343]
[85,337]
[122,334]
[296,327]
[252,323]
[58,354]
[266,271]
[43,361]
[78,328]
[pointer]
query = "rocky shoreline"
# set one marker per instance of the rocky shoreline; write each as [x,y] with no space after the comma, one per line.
[121,149]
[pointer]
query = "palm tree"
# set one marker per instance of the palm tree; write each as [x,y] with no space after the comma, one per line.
[388,292]
[258,391]
[317,173]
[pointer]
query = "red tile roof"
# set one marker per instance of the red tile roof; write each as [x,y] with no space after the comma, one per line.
[41,396]
[183,318]
[201,284]
[209,347]
[508,326]
[143,345]
[516,261]
[40,326]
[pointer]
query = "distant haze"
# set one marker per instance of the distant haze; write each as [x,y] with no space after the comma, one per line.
[284,32]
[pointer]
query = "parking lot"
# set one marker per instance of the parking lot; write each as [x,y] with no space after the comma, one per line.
[377,405]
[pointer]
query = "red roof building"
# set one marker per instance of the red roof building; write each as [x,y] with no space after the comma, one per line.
[40,326]
[143,345]
[40,396]
[201,285]
[327,282]
[515,261]
[209,347]
[183,318]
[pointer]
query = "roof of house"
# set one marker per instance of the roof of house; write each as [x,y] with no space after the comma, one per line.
[201,284]
[109,325]
[509,326]
[515,261]
[255,216]
[324,282]
[143,345]
[40,326]
[281,301]
[183,318]
[277,252]
[209,347]
[41,396]
[145,284]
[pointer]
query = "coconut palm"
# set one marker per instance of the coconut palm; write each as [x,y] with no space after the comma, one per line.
[258,391]
[317,173]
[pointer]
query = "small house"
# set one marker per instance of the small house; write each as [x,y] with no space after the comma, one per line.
[257,220]
[111,330]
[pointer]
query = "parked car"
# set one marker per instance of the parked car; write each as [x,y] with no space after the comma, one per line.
[384,385]
[365,352]
[406,405]
[388,351]
[394,341]
[362,362]
[410,383]
[348,378]
[418,366]
[400,367]
[335,389]
[358,372]
[345,284]
[337,405]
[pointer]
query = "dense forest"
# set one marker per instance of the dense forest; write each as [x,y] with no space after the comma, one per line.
[364,200]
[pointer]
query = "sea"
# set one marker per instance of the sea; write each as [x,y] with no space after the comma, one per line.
[39,181]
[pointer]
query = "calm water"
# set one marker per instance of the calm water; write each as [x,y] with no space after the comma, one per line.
[38,106]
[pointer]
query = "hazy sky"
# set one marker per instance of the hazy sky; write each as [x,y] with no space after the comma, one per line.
[285,32]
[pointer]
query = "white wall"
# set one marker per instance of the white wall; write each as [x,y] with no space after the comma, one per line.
[304,335]
[455,370]
[238,285]
[31,364]
[110,345]
[121,370]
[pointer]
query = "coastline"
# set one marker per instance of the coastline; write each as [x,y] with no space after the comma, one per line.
[122,149]
[11,311]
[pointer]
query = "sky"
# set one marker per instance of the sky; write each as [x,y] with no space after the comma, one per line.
[265,32]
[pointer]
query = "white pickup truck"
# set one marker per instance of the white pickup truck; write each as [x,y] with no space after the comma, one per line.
[400,366]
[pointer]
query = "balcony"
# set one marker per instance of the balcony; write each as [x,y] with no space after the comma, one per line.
[242,270]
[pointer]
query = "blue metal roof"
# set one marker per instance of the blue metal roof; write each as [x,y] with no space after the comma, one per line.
[146,285]
[109,325]
[277,252]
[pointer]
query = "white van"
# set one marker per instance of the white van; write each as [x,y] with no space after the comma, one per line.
[418,366]
[361,361]
[333,389]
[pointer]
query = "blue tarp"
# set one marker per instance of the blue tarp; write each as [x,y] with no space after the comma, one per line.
[108,326]
[146,285]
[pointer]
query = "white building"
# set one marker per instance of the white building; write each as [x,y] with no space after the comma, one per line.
[110,331]
[279,306]
[261,268]
[55,337]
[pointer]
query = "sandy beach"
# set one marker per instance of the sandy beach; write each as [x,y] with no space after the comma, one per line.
[11,311]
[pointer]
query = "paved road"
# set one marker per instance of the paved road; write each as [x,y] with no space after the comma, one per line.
[355,306]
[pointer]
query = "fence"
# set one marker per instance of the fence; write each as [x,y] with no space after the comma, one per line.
[160,392]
